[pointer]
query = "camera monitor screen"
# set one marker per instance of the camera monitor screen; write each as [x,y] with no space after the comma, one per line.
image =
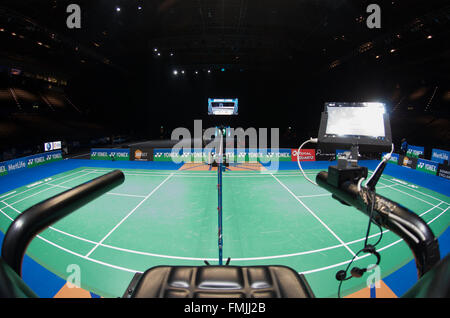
[363,124]
[221,106]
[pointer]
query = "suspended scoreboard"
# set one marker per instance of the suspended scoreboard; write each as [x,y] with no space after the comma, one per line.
[222,106]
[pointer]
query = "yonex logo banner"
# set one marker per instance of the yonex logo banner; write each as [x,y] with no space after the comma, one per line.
[427,166]
[439,155]
[110,154]
[305,154]
[232,155]
[3,169]
[415,151]
[394,157]
[29,162]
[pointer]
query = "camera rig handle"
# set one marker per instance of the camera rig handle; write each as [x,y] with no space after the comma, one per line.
[392,216]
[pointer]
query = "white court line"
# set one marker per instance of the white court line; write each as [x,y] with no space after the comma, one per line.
[438,215]
[204,173]
[111,193]
[415,190]
[56,230]
[313,214]
[79,255]
[413,196]
[51,187]
[130,213]
[212,259]
[234,259]
[7,194]
[40,185]
[329,194]
[364,256]
[306,252]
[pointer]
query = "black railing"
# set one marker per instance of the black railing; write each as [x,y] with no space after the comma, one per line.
[42,215]
[392,216]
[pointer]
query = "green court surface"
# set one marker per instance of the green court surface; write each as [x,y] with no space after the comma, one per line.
[162,217]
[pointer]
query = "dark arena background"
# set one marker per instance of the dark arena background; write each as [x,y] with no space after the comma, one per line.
[96,200]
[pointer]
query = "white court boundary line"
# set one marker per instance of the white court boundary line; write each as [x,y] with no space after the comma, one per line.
[40,185]
[212,259]
[110,193]
[237,259]
[51,187]
[126,217]
[314,215]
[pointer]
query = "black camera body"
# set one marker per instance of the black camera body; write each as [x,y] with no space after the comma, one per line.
[346,170]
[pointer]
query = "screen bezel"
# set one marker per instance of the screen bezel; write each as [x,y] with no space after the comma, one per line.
[364,143]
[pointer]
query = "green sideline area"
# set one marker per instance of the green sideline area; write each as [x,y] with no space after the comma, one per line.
[169,217]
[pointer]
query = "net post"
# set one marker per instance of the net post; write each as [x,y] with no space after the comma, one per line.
[219,208]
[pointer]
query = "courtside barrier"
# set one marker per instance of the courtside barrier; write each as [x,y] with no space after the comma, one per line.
[444,171]
[427,166]
[415,151]
[232,155]
[110,154]
[407,161]
[439,155]
[141,154]
[15,165]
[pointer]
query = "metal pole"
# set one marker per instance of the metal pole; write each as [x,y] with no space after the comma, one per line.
[219,208]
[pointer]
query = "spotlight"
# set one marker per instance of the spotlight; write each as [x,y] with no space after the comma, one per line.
[139,8]
[209,71]
[171,54]
[155,49]
[159,54]
[223,70]
[118,9]
[196,72]
[175,72]
[429,37]
[182,72]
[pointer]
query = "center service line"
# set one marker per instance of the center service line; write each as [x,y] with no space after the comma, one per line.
[131,212]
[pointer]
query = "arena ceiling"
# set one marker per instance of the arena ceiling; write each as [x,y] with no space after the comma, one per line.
[237,34]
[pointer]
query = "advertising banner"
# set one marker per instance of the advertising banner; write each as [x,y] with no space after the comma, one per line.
[268,155]
[165,154]
[444,171]
[325,156]
[415,151]
[141,154]
[405,161]
[394,158]
[3,169]
[232,155]
[305,154]
[439,155]
[110,154]
[18,164]
[55,145]
[427,166]
[37,160]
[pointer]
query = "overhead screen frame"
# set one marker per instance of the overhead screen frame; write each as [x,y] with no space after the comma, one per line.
[344,142]
[234,109]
